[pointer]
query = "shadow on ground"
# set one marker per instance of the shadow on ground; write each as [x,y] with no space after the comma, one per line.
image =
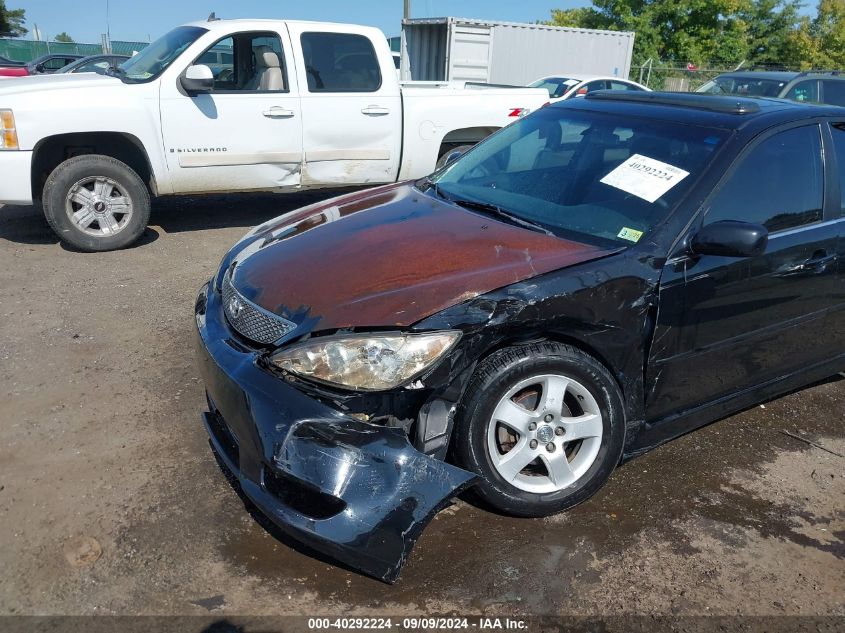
[174,214]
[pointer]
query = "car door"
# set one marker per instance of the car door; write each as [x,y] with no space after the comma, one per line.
[728,324]
[837,138]
[246,133]
[352,115]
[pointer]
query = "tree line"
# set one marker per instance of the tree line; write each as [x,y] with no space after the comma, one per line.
[769,33]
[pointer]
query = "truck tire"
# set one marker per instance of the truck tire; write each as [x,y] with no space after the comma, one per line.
[96,203]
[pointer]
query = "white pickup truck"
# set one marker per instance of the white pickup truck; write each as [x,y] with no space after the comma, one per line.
[230,105]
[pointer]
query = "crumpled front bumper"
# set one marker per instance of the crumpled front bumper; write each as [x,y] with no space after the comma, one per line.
[355,491]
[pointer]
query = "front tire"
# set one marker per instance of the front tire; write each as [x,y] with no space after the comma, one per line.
[96,203]
[543,424]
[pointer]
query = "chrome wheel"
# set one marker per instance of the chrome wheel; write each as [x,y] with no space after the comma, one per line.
[98,206]
[545,433]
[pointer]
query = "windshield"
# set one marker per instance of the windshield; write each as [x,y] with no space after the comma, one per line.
[556,86]
[155,58]
[747,87]
[595,178]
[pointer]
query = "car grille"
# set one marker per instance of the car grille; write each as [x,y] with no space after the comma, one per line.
[249,320]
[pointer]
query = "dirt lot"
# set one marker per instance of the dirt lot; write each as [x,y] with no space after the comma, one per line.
[100,439]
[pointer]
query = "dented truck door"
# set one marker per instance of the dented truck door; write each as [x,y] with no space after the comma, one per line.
[246,133]
[352,127]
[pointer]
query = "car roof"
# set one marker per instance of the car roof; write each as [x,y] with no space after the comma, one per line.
[727,112]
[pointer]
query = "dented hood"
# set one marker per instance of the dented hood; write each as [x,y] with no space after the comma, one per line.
[389,257]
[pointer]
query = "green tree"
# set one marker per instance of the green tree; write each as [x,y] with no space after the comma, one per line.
[697,31]
[819,42]
[64,37]
[12,21]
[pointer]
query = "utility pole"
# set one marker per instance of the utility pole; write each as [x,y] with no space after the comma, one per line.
[407,13]
[108,28]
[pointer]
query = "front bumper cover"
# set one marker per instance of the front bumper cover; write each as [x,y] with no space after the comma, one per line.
[358,492]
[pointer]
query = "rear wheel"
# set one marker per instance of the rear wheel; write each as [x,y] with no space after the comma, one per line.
[96,203]
[543,424]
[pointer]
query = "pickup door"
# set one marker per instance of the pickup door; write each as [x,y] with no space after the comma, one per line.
[304,106]
[247,132]
[351,108]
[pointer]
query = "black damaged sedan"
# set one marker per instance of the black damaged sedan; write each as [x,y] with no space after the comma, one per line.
[588,283]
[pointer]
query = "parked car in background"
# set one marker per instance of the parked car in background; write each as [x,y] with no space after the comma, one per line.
[293,105]
[567,87]
[813,86]
[94,64]
[46,64]
[588,283]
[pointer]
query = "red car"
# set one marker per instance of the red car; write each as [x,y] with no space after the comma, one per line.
[41,65]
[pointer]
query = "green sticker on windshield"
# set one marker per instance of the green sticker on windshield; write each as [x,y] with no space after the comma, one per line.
[632,235]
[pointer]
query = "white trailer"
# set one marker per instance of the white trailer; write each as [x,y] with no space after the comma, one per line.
[460,49]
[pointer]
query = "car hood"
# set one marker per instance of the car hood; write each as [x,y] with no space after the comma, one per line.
[388,257]
[59,81]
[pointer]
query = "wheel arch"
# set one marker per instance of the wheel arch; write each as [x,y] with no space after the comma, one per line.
[465,136]
[51,151]
[558,337]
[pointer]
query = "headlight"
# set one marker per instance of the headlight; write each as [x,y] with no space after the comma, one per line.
[366,362]
[8,132]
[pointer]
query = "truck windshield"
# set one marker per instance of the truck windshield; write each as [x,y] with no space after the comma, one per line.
[597,178]
[155,58]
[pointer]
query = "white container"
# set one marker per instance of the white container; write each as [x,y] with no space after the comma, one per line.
[459,49]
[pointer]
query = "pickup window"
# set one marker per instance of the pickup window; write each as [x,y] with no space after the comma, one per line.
[247,62]
[340,62]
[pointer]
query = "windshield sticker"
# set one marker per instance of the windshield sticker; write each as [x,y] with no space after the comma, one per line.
[571,82]
[632,235]
[645,177]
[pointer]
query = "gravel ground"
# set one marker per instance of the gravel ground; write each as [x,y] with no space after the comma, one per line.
[111,501]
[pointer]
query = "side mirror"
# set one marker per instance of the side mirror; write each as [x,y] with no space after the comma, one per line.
[196,79]
[730,239]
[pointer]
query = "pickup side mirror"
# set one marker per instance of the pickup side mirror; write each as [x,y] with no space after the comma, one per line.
[730,238]
[197,78]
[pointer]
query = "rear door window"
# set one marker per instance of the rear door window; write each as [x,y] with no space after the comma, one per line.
[834,92]
[838,131]
[779,184]
[805,91]
[621,85]
[340,62]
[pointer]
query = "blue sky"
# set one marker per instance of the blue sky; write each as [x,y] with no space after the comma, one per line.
[136,20]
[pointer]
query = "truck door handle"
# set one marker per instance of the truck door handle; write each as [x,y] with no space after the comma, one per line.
[277,112]
[375,111]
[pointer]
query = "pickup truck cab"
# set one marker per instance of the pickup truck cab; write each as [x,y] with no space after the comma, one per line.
[236,105]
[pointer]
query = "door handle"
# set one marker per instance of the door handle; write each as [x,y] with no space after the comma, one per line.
[277,112]
[816,265]
[375,110]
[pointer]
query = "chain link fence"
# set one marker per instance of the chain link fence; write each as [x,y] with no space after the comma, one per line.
[27,50]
